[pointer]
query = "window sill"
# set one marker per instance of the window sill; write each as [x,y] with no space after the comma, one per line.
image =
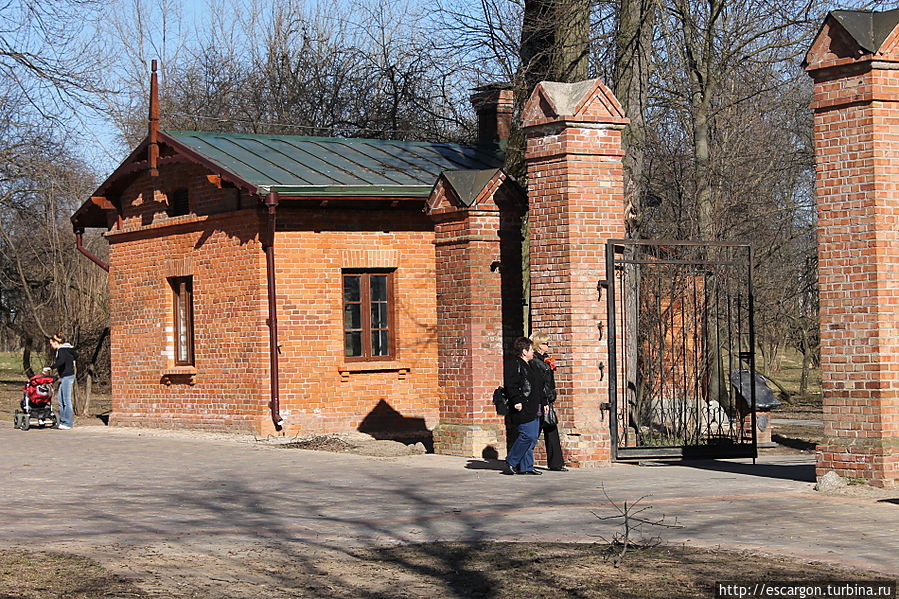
[179,374]
[180,370]
[373,366]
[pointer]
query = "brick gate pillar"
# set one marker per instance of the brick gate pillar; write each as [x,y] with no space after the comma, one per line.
[477,217]
[576,203]
[855,65]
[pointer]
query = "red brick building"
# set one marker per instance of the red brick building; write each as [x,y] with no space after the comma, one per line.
[267,283]
[318,285]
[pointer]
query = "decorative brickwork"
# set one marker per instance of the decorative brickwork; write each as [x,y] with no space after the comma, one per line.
[856,108]
[576,203]
[478,257]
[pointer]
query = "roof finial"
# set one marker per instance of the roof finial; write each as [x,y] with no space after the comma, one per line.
[152,137]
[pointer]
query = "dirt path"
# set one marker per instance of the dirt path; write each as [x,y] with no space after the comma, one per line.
[215,516]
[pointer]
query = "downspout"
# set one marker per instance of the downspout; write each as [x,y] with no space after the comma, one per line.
[78,244]
[271,203]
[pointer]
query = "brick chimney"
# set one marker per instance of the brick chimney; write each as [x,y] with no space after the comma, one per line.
[493,105]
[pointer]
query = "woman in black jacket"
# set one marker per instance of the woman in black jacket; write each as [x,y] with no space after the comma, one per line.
[524,386]
[64,365]
[541,360]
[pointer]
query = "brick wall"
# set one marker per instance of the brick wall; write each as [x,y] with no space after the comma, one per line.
[576,203]
[320,391]
[856,128]
[229,386]
[222,254]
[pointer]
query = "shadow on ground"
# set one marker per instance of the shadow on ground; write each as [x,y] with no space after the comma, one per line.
[797,472]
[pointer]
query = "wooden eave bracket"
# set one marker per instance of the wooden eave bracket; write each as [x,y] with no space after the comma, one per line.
[102,202]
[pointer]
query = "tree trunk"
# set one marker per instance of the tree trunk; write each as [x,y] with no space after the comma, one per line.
[555,46]
[806,364]
[91,368]
[27,342]
[85,407]
[633,45]
[572,40]
[555,41]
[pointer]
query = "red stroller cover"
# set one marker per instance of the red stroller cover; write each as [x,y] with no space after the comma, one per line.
[37,390]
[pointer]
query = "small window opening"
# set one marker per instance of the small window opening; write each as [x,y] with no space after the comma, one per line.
[179,203]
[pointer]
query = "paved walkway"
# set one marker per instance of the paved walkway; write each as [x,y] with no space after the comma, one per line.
[101,491]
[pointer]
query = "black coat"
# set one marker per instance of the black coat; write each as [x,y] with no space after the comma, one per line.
[64,364]
[549,391]
[524,384]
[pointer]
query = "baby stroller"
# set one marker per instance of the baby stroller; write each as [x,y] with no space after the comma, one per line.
[36,403]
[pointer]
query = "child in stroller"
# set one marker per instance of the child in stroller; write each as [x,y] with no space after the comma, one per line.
[36,403]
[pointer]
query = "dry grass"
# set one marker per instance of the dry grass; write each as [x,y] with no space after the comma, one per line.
[429,570]
[44,575]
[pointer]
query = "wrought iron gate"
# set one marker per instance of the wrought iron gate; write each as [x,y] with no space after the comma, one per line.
[681,343]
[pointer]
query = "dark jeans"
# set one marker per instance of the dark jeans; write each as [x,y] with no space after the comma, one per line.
[521,454]
[554,456]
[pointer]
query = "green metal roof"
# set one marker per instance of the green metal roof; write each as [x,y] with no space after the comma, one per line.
[328,166]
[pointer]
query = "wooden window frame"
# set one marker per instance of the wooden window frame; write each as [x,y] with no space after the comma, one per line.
[182,291]
[365,302]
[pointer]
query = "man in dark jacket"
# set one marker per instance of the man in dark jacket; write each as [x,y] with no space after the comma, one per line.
[524,386]
[64,365]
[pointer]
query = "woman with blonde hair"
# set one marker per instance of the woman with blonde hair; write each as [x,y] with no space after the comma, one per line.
[550,431]
[64,365]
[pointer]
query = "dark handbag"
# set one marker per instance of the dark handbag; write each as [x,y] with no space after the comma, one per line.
[500,401]
[549,416]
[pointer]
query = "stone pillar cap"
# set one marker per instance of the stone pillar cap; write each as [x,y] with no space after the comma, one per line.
[850,36]
[588,101]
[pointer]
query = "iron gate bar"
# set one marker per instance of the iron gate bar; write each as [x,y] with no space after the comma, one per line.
[692,425]
[678,242]
[751,301]
[703,262]
[613,369]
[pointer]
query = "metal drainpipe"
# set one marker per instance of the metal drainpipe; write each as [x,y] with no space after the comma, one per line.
[78,244]
[271,203]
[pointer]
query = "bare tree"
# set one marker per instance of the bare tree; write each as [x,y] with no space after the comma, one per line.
[368,71]
[49,55]
[50,77]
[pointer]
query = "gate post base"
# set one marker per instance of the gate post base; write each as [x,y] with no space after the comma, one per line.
[586,450]
[874,462]
[470,440]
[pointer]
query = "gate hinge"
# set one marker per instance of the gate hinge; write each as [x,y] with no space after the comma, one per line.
[605,406]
